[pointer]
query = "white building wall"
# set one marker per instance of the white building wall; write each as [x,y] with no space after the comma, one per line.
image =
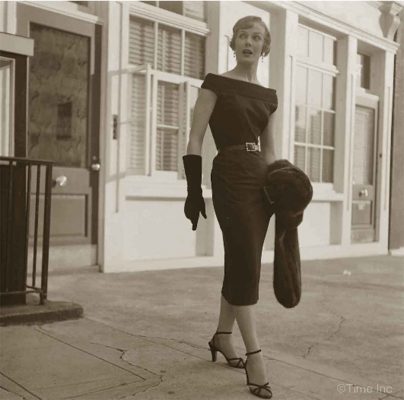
[8,17]
[141,219]
[145,221]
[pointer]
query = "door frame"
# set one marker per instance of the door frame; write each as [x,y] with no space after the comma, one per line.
[368,100]
[27,13]
[18,48]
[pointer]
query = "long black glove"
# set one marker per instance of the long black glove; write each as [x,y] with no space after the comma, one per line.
[194,203]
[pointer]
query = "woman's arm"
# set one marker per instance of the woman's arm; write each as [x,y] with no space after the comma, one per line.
[203,109]
[267,141]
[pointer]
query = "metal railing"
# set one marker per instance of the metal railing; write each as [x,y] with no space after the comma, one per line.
[25,186]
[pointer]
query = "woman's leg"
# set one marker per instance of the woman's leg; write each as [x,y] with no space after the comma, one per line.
[245,316]
[227,317]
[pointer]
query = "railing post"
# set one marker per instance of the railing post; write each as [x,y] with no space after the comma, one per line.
[15,207]
[46,234]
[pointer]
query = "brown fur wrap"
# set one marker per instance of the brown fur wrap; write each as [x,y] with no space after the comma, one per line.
[288,191]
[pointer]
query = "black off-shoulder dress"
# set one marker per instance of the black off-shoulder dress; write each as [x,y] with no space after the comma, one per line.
[240,115]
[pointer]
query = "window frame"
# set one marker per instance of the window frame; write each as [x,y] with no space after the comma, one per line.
[325,69]
[158,16]
[157,5]
[155,14]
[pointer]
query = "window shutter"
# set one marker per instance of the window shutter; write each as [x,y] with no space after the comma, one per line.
[194,59]
[328,165]
[169,49]
[184,126]
[188,96]
[300,157]
[194,9]
[137,147]
[167,127]
[314,163]
[141,41]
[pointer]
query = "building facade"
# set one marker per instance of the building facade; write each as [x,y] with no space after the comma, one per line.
[111,91]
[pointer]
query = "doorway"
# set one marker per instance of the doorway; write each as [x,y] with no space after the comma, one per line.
[364,179]
[63,125]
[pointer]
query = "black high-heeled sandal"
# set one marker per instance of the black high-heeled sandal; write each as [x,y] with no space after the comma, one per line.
[214,350]
[257,389]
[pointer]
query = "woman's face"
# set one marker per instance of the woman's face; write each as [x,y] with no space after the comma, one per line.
[249,43]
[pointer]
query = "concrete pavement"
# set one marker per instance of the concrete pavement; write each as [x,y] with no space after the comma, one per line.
[144,336]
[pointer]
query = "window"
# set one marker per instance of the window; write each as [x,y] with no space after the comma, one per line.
[315,105]
[192,9]
[168,65]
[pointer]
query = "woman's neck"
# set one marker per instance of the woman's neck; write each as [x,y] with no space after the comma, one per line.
[247,72]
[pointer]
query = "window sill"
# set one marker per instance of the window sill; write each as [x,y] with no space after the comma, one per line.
[324,192]
[147,188]
[158,187]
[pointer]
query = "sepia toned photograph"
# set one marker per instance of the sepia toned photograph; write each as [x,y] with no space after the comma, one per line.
[201,200]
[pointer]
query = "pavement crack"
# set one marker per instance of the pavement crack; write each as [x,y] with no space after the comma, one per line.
[193,345]
[11,392]
[136,365]
[144,390]
[44,332]
[21,386]
[122,357]
[328,337]
[337,331]
[150,339]
[109,347]
[308,350]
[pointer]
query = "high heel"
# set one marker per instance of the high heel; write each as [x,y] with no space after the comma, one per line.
[214,350]
[257,389]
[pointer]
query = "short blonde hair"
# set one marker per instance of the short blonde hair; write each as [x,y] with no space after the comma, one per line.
[246,22]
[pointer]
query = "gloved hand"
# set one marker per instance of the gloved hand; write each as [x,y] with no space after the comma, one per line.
[194,203]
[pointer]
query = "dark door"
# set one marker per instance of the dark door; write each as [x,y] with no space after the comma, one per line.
[364,175]
[63,119]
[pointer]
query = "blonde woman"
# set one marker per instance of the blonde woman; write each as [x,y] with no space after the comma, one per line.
[239,111]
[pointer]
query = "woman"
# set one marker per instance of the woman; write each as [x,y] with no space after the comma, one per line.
[238,110]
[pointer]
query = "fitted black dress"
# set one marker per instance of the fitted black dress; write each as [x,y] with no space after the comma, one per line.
[240,115]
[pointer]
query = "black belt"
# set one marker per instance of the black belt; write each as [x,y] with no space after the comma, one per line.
[248,146]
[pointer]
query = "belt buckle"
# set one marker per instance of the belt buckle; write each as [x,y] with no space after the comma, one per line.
[251,146]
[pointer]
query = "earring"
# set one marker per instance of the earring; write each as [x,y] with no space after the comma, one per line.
[234,54]
[262,58]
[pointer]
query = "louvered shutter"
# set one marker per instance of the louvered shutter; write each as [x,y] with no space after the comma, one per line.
[194,58]
[141,41]
[169,49]
[314,163]
[167,126]
[194,9]
[188,96]
[138,128]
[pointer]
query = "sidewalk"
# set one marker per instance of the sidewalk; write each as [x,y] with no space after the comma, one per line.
[144,336]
